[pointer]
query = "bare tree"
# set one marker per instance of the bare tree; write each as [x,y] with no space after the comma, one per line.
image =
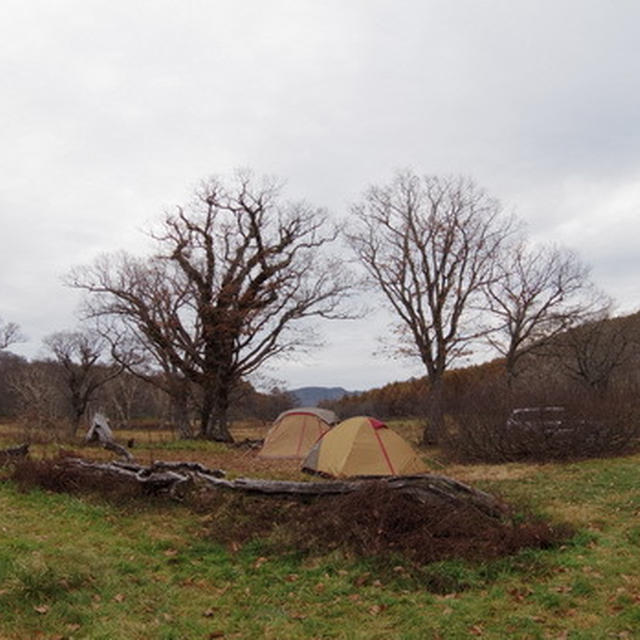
[10,366]
[430,245]
[235,273]
[39,401]
[539,293]
[592,352]
[9,334]
[78,353]
[126,396]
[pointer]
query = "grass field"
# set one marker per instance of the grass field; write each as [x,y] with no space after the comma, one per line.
[80,567]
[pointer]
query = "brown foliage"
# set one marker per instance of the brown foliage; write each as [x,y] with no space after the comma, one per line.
[375,522]
[587,426]
[54,475]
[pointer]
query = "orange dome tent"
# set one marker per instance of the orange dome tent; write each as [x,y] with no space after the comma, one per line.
[363,446]
[294,432]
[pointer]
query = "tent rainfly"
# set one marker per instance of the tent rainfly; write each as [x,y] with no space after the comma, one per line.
[363,446]
[294,432]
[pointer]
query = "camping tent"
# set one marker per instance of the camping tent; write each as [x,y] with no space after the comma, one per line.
[363,446]
[294,432]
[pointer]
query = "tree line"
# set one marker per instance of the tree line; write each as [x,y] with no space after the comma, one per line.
[595,359]
[56,391]
[239,277]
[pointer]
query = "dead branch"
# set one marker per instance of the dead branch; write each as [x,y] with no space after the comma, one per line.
[101,432]
[428,489]
[13,453]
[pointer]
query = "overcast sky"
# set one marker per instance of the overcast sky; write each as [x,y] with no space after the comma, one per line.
[112,111]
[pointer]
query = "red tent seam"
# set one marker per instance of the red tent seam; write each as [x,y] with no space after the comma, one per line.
[384,452]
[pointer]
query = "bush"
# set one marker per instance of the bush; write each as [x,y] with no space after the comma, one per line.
[583,426]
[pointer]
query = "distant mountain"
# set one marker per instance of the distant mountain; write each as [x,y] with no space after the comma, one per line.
[311,396]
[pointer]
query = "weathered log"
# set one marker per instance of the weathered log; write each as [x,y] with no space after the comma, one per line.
[161,465]
[428,489]
[112,445]
[100,431]
[13,453]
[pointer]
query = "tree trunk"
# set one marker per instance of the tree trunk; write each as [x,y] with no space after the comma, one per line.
[206,410]
[510,364]
[434,428]
[219,429]
[214,424]
[180,415]
[74,425]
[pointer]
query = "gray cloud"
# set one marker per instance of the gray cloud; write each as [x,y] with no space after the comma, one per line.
[111,113]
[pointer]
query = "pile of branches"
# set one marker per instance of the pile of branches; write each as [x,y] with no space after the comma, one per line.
[377,522]
[13,454]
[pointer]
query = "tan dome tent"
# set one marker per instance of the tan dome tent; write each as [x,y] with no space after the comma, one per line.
[363,446]
[294,432]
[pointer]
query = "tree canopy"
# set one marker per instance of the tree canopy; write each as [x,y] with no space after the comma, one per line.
[235,273]
[430,244]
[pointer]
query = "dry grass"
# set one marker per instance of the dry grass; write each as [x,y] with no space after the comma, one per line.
[493,472]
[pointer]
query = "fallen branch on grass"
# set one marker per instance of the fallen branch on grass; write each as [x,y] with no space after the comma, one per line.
[172,477]
[13,453]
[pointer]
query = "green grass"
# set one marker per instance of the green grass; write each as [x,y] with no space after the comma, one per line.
[76,567]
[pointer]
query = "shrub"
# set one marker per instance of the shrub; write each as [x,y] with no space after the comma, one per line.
[578,426]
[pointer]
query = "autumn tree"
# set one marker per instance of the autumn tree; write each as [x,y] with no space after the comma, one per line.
[78,354]
[235,274]
[537,294]
[127,397]
[430,244]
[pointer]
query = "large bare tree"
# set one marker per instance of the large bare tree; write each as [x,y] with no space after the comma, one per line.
[234,275]
[430,245]
[539,293]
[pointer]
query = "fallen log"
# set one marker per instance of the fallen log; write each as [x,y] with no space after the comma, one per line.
[13,453]
[171,477]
